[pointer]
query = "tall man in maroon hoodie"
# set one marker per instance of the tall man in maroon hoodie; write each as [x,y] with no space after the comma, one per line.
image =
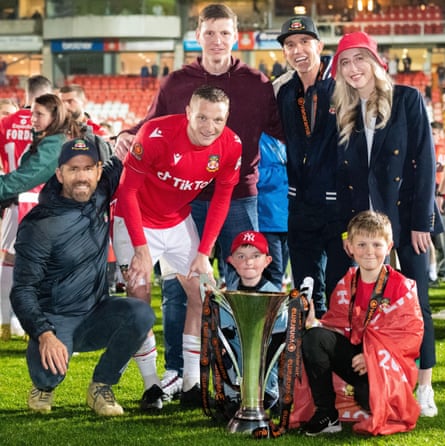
[253,110]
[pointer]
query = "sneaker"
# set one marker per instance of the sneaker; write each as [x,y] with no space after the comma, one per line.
[425,398]
[100,398]
[321,423]
[151,399]
[171,384]
[192,398]
[40,400]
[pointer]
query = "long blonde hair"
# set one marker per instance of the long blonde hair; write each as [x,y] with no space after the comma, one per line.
[346,100]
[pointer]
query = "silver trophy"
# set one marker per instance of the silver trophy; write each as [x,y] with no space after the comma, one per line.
[255,315]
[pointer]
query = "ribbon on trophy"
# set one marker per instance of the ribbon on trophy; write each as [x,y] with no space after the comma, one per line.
[212,351]
[290,363]
[216,351]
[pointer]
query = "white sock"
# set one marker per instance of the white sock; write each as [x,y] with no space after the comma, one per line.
[433,272]
[191,350]
[145,358]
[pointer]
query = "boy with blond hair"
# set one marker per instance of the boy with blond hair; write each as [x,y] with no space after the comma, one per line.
[370,337]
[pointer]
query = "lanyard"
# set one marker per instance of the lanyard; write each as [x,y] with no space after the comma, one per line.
[308,127]
[301,102]
[376,296]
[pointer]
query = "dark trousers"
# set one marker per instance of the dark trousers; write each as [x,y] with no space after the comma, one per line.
[325,352]
[279,252]
[118,325]
[415,266]
[316,250]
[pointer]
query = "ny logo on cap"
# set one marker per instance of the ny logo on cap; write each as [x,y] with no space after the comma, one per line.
[249,237]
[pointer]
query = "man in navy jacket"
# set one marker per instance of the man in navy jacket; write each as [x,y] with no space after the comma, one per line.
[304,103]
[60,288]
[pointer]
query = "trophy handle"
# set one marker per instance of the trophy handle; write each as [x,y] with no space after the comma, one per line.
[273,360]
[219,298]
[229,352]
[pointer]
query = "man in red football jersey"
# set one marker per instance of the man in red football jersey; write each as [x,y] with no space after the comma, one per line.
[172,159]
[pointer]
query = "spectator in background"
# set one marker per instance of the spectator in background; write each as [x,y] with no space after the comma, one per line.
[108,132]
[145,75]
[36,15]
[441,74]
[73,96]
[272,206]
[50,125]
[393,66]
[263,68]
[439,148]
[15,138]
[438,240]
[406,61]
[3,68]
[277,70]
[7,107]
[154,74]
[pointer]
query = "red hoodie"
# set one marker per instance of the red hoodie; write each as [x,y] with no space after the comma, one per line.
[253,110]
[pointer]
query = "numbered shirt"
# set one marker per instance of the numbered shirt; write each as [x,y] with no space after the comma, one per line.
[15,137]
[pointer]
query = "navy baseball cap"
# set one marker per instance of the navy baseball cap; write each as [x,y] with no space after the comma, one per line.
[78,146]
[298,25]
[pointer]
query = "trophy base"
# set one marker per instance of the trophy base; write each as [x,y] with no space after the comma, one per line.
[247,420]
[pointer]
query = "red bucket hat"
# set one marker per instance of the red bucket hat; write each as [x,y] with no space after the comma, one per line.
[250,238]
[357,39]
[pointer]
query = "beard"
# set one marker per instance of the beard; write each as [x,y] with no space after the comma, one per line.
[75,115]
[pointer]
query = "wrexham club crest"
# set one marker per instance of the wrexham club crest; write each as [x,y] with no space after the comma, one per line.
[213,163]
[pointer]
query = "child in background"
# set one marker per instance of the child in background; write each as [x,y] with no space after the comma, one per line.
[370,337]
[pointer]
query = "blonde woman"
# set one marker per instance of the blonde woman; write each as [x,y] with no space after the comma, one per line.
[387,163]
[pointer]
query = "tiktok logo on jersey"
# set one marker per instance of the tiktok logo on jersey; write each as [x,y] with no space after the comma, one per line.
[182,184]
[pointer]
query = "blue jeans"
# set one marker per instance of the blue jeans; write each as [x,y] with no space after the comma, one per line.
[316,250]
[174,306]
[242,216]
[279,251]
[415,266]
[117,324]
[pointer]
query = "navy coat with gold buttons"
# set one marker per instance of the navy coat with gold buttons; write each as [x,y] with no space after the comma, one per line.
[400,179]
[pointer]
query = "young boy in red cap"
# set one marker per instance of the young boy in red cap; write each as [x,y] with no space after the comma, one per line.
[250,257]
